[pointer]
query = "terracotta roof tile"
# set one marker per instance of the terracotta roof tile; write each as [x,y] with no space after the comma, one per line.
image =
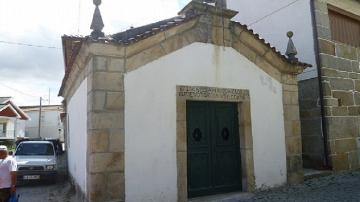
[257,36]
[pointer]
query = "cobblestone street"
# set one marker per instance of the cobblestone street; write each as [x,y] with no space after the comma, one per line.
[343,187]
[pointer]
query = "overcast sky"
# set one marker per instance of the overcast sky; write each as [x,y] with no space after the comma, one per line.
[33,71]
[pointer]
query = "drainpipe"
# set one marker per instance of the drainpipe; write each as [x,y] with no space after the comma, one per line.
[321,93]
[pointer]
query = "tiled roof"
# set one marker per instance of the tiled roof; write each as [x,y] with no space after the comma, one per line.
[4,99]
[139,33]
[143,32]
[272,47]
[72,44]
[6,104]
[129,36]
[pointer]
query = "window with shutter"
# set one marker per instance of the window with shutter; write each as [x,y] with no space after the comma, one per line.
[345,27]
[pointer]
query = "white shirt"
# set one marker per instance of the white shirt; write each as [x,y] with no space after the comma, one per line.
[7,165]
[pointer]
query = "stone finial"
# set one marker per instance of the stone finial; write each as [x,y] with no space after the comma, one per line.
[291,51]
[97,2]
[97,23]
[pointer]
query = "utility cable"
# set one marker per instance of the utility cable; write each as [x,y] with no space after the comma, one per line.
[272,13]
[28,44]
[19,91]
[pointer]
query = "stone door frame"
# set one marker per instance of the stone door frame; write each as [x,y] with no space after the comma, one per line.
[198,93]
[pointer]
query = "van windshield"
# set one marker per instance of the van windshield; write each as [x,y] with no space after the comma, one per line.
[34,149]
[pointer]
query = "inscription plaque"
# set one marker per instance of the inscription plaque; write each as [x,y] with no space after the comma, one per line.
[226,94]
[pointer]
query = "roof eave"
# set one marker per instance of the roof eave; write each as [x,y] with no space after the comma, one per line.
[68,39]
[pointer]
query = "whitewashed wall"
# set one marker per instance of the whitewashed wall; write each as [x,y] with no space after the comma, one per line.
[150,117]
[77,135]
[20,127]
[10,127]
[296,18]
[50,124]
[14,126]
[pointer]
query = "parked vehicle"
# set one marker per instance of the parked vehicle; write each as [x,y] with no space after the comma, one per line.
[36,160]
[56,142]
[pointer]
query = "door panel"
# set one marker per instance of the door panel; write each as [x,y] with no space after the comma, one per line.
[227,153]
[213,148]
[198,140]
[199,171]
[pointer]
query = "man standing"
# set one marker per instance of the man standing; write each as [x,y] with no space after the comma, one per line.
[7,174]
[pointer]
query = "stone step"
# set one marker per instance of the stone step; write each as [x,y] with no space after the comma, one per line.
[311,173]
[229,197]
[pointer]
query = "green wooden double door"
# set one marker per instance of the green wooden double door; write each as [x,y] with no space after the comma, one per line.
[213,148]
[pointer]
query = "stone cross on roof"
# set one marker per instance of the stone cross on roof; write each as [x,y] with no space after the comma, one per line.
[291,51]
[97,23]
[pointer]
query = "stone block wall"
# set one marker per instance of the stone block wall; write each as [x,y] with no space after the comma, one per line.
[106,130]
[294,161]
[311,131]
[340,75]
[104,69]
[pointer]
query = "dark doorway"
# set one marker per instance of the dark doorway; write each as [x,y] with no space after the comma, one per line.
[213,147]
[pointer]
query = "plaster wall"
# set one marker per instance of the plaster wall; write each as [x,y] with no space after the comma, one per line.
[77,135]
[14,126]
[150,117]
[20,128]
[10,127]
[273,28]
[50,125]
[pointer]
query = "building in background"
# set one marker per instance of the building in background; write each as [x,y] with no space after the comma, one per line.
[327,34]
[50,124]
[10,115]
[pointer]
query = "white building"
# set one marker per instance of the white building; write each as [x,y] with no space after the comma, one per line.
[10,115]
[190,106]
[50,124]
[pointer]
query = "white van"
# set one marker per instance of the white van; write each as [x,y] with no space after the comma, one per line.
[36,160]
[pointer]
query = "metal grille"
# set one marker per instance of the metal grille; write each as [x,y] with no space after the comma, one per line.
[31,168]
[344,29]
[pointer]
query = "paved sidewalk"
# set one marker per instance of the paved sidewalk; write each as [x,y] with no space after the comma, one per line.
[341,187]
